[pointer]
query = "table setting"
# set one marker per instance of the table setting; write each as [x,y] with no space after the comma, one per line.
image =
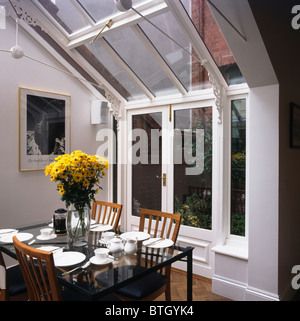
[81,267]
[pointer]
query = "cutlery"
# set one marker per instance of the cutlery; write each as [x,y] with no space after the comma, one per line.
[155,241]
[57,249]
[79,267]
[97,225]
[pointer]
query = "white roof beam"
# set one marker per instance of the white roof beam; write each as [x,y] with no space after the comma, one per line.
[126,19]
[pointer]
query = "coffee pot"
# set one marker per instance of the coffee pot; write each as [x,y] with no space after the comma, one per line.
[59,221]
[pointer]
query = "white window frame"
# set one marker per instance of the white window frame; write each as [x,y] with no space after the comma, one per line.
[235,241]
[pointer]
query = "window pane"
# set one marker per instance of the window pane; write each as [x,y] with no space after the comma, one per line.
[66,14]
[214,40]
[191,74]
[146,162]
[111,71]
[192,191]
[238,166]
[99,10]
[138,58]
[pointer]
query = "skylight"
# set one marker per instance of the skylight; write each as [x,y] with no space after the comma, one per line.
[146,52]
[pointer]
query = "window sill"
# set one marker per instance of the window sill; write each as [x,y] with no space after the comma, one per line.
[238,251]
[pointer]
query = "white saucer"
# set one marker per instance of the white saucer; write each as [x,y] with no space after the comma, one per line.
[44,238]
[94,260]
[159,245]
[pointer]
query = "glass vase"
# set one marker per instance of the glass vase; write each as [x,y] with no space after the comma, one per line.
[78,224]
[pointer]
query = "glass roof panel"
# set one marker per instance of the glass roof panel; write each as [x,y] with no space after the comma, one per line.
[66,14]
[99,10]
[111,71]
[104,9]
[186,68]
[214,40]
[130,49]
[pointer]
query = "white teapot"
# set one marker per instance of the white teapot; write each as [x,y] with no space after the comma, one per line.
[115,245]
[130,246]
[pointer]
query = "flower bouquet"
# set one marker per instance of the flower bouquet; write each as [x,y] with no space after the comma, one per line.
[78,176]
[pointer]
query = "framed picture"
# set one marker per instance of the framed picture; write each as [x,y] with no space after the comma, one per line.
[294,125]
[44,128]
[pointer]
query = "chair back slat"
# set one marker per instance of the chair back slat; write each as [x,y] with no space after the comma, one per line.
[38,270]
[166,224]
[107,213]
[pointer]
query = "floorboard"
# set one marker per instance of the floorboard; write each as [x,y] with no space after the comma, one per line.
[202,288]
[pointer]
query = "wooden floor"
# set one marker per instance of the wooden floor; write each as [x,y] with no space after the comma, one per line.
[201,288]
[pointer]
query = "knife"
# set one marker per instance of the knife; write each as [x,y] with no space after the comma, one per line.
[155,241]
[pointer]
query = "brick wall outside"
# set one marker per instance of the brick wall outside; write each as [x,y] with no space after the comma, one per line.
[213,38]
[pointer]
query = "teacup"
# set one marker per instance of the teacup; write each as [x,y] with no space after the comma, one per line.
[46,232]
[107,236]
[101,254]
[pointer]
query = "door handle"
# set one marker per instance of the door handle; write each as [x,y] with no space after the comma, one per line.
[164,178]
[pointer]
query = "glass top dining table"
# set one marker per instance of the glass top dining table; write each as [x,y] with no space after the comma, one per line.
[98,280]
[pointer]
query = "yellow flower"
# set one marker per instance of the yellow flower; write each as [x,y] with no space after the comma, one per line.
[77,177]
[86,182]
[77,174]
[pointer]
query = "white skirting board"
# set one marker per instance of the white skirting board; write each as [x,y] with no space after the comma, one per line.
[239,291]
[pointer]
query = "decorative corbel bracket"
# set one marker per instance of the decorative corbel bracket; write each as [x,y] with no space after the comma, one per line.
[218,89]
[115,105]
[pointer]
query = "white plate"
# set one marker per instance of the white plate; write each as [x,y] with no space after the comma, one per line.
[93,222]
[101,228]
[44,238]
[21,237]
[139,236]
[49,248]
[7,231]
[159,245]
[94,260]
[68,258]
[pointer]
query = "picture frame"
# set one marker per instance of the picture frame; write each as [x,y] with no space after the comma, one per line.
[44,127]
[294,125]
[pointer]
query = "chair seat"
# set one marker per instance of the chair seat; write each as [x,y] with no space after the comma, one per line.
[15,281]
[143,287]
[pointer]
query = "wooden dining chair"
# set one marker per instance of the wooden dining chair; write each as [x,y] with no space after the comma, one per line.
[107,213]
[38,270]
[12,284]
[162,225]
[39,273]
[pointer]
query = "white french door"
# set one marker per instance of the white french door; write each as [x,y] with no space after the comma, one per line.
[170,169]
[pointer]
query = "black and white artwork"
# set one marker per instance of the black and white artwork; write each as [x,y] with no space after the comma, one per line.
[44,128]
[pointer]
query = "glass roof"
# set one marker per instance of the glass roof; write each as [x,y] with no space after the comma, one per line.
[145,53]
[177,59]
